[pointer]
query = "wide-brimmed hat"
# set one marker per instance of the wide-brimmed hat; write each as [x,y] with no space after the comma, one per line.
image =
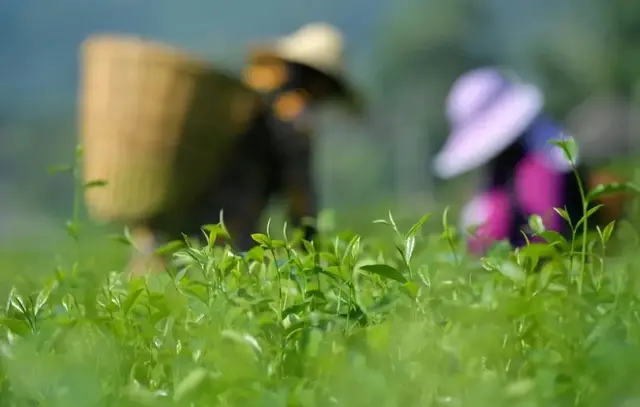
[319,46]
[487,111]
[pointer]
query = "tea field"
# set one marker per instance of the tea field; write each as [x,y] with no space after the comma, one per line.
[400,316]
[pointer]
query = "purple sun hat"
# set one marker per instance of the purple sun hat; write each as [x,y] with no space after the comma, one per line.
[487,112]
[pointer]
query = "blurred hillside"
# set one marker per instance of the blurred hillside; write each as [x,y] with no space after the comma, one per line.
[38,63]
[404,54]
[39,38]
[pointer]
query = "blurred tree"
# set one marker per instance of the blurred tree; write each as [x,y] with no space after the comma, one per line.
[38,70]
[568,56]
[591,55]
[624,26]
[424,48]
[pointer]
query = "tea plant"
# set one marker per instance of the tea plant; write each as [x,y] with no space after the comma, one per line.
[344,322]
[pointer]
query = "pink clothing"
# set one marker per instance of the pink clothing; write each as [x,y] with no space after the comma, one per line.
[493,214]
[537,189]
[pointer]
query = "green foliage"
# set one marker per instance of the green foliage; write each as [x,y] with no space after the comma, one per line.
[342,325]
[346,322]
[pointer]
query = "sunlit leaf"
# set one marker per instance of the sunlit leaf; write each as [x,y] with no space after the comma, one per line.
[409,246]
[412,289]
[416,227]
[262,239]
[513,272]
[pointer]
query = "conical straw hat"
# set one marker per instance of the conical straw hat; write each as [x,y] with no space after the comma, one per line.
[155,123]
[319,46]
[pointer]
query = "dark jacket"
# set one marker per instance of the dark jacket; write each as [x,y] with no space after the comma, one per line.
[273,158]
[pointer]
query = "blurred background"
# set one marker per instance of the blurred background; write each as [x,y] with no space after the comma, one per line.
[402,54]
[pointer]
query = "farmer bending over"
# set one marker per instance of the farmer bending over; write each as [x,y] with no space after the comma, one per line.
[499,123]
[295,74]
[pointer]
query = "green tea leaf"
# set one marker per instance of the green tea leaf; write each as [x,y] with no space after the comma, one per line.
[331,272]
[385,271]
[56,169]
[537,251]
[608,231]
[409,246]
[393,222]
[512,271]
[353,249]
[411,289]
[605,189]
[278,244]
[42,298]
[590,212]
[120,239]
[309,247]
[190,383]
[569,148]
[96,183]
[564,214]
[445,221]
[536,224]
[262,239]
[73,229]
[243,339]
[170,247]
[130,301]
[256,253]
[17,326]
[414,229]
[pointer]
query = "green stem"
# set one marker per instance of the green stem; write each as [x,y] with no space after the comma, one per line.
[280,293]
[585,209]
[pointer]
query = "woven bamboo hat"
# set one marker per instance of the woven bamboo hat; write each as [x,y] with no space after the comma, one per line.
[155,123]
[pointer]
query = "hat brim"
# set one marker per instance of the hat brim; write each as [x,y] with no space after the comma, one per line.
[474,144]
[267,52]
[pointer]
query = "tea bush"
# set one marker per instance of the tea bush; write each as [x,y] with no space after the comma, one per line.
[411,320]
[346,323]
